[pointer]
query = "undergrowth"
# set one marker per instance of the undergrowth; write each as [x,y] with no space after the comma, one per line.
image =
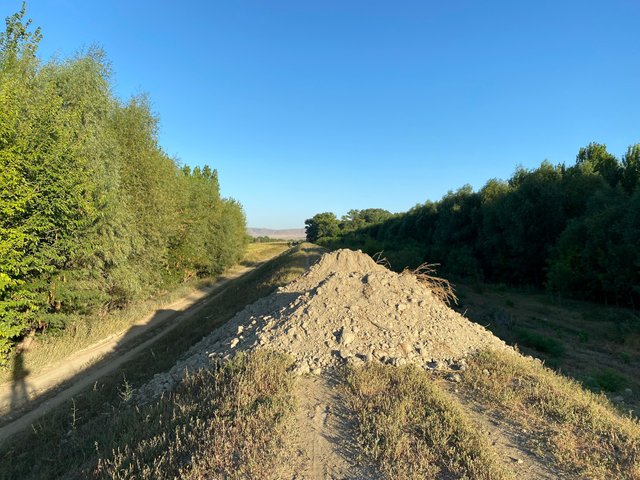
[83,331]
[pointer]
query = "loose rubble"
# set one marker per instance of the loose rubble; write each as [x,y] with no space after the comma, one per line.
[345,309]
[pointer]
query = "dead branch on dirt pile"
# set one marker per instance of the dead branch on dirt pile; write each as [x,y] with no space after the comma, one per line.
[381,260]
[440,287]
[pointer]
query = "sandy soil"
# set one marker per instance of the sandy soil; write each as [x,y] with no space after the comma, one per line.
[326,441]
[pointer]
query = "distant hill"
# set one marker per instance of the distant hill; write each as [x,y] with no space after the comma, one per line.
[287,234]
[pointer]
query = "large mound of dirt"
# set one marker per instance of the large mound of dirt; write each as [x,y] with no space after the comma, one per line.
[345,308]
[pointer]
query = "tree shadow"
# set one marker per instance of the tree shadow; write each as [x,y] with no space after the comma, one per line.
[19,373]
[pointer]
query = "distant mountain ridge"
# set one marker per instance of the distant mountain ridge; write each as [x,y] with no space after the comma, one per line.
[282,234]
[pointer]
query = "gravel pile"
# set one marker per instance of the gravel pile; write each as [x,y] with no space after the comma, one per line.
[345,308]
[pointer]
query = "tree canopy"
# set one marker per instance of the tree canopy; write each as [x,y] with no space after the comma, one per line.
[93,214]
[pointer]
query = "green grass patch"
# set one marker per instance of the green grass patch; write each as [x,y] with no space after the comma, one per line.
[541,343]
[610,380]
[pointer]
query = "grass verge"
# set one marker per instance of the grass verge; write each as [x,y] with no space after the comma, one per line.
[579,431]
[232,421]
[598,345]
[44,450]
[413,430]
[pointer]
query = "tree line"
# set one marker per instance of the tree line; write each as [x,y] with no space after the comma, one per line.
[574,230]
[93,213]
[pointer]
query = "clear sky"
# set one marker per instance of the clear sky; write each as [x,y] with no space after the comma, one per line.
[306,106]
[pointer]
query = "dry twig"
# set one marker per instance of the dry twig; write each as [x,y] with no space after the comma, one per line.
[380,260]
[440,287]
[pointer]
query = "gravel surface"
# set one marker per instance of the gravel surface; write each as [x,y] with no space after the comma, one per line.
[345,308]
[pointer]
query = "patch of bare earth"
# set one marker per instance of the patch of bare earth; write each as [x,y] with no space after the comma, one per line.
[325,437]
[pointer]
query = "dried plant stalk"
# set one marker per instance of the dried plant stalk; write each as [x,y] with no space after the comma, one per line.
[440,287]
[380,260]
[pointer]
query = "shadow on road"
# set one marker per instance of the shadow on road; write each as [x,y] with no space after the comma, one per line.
[27,393]
[19,393]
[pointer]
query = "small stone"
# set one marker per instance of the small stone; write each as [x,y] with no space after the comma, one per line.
[406,348]
[317,371]
[234,342]
[628,391]
[354,361]
[485,372]
[345,354]
[347,337]
[240,329]
[302,368]
[454,377]
[437,365]
[379,354]
[516,460]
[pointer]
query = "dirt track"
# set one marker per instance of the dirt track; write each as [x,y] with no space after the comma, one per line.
[80,368]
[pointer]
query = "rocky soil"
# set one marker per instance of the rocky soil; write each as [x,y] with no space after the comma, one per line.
[345,308]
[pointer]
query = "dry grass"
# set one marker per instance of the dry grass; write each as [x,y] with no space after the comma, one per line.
[577,430]
[259,252]
[70,439]
[598,345]
[233,421]
[87,330]
[413,430]
[440,287]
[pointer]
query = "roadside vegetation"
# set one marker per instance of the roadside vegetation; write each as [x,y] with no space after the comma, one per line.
[93,214]
[231,421]
[63,442]
[412,430]
[597,345]
[258,252]
[415,424]
[42,351]
[579,432]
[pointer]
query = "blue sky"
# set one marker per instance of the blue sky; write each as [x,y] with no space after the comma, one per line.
[307,106]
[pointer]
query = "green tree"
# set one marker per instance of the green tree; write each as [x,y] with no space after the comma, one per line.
[321,226]
[93,214]
[602,161]
[631,166]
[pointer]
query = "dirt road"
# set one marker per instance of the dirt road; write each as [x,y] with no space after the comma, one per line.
[81,366]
